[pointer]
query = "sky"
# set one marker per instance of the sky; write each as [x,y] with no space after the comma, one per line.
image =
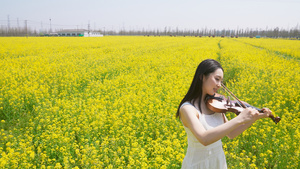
[150,14]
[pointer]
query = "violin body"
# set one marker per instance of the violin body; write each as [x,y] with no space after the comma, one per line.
[220,104]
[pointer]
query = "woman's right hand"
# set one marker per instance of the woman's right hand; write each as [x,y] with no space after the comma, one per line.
[249,115]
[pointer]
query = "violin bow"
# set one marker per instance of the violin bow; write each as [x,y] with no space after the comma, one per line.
[275,119]
[243,105]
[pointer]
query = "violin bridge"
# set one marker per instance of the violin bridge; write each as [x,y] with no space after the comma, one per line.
[228,102]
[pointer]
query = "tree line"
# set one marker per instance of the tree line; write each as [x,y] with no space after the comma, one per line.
[248,32]
[270,33]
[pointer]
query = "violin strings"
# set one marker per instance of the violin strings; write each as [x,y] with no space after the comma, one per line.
[230,95]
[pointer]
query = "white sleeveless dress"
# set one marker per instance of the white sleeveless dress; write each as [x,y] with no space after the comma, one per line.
[199,156]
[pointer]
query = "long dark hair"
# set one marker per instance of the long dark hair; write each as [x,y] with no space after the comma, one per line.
[204,69]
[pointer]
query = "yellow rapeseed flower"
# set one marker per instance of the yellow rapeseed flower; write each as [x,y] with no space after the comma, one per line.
[111,101]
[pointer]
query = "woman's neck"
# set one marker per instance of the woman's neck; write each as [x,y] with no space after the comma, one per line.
[204,108]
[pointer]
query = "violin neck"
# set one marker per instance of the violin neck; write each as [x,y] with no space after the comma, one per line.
[275,119]
[248,105]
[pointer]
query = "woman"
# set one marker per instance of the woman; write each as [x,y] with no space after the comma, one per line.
[204,128]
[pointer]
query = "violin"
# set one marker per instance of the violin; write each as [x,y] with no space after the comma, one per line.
[220,104]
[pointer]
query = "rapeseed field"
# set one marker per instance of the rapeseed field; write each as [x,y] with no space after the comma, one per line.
[110,102]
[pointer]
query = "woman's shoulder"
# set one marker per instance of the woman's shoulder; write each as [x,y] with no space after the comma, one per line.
[186,103]
[189,110]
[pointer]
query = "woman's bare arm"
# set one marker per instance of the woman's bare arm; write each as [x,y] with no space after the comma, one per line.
[239,130]
[206,137]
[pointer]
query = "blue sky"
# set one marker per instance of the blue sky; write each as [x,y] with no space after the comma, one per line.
[151,14]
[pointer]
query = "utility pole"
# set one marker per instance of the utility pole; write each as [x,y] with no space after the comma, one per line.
[41,27]
[50,26]
[8,22]
[89,28]
[18,29]
[26,28]
[8,25]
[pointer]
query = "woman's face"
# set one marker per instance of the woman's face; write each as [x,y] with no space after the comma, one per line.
[212,82]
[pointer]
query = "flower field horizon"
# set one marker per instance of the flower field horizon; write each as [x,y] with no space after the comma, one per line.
[110,102]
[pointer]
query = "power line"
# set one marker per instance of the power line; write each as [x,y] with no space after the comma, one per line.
[33,22]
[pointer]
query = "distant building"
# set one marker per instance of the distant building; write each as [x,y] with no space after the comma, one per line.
[79,32]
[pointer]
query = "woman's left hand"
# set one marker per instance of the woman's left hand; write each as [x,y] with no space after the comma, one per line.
[266,112]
